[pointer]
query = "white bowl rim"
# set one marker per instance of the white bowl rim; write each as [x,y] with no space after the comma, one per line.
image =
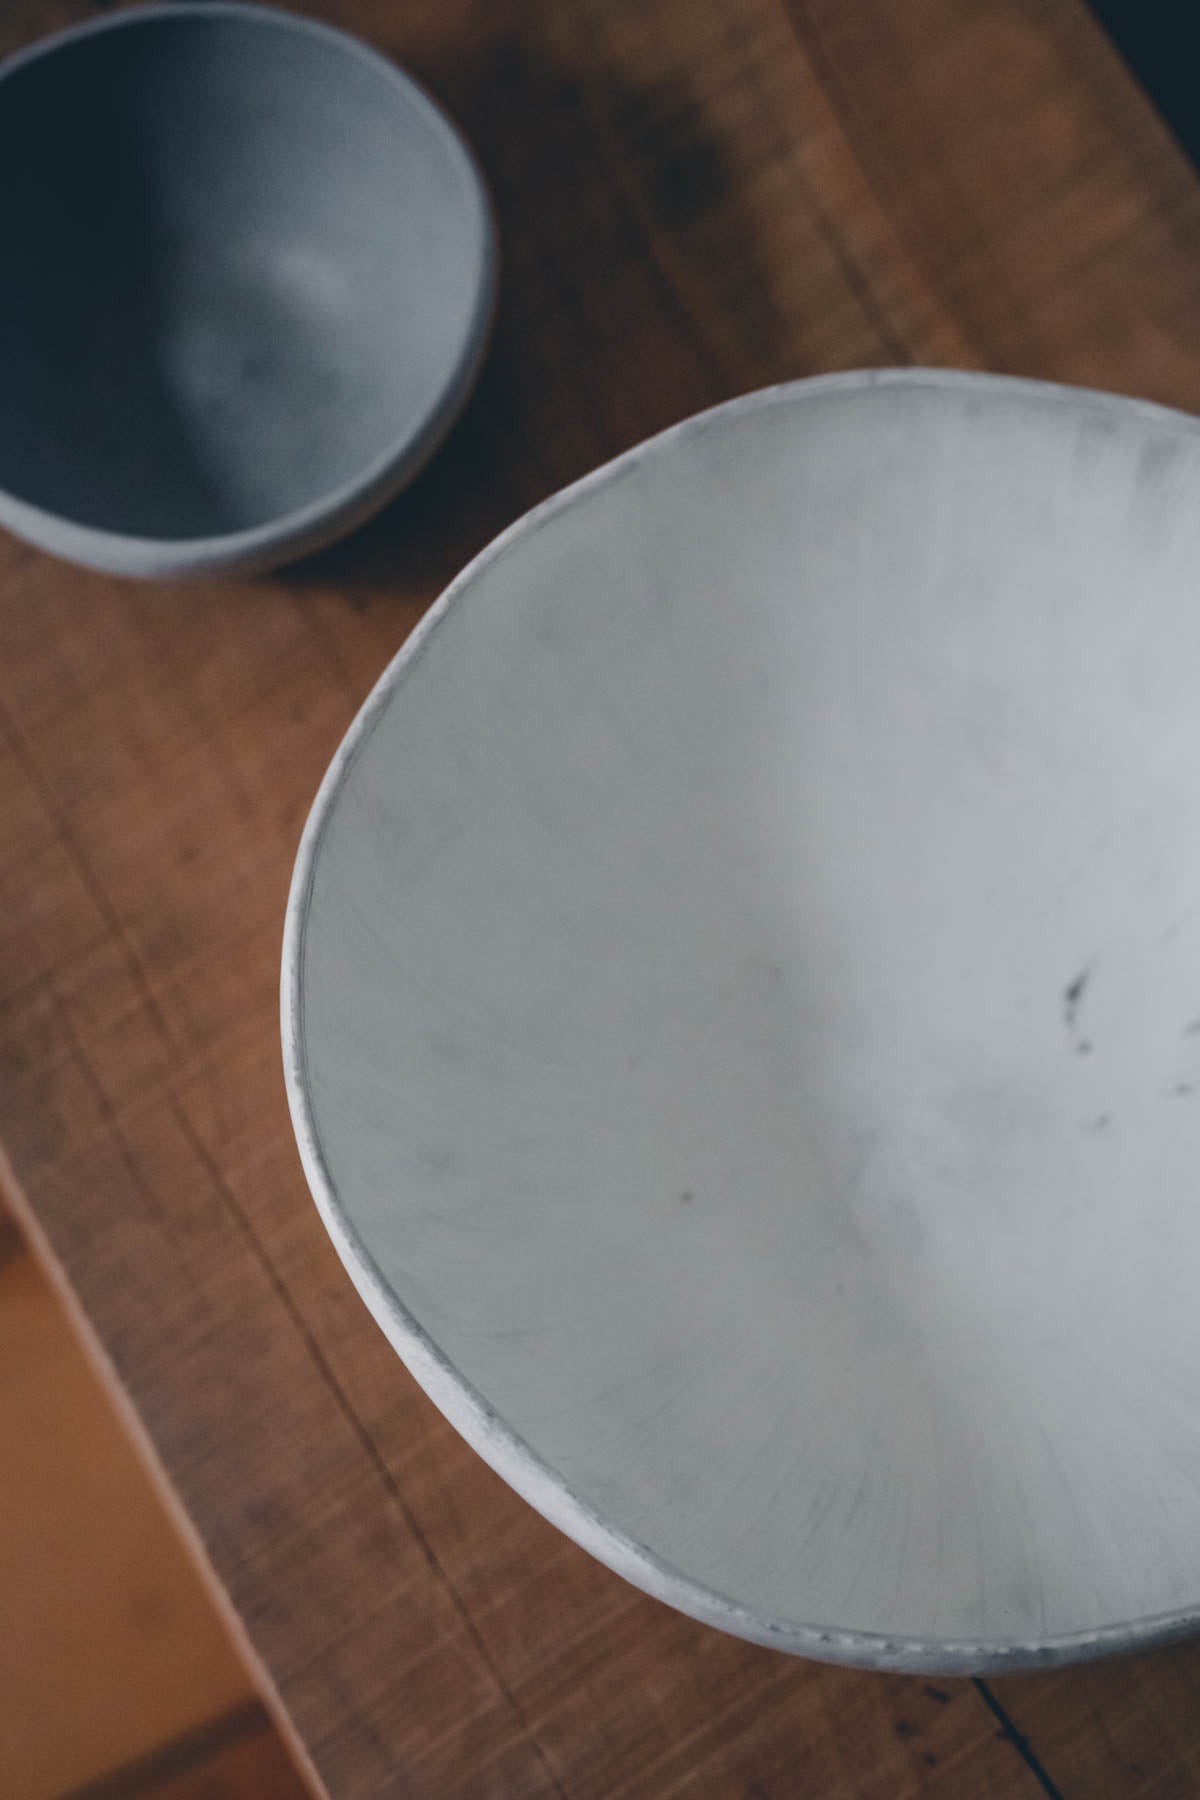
[456,1397]
[307,528]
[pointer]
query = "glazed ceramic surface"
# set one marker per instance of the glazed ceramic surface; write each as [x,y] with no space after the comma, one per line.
[742,1016]
[248,279]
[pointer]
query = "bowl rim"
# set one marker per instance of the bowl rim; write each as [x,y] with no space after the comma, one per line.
[310,527]
[466,1408]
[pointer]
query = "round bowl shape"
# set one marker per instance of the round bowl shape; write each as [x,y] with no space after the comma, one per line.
[742,1016]
[249,274]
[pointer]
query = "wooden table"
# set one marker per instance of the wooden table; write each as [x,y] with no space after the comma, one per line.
[695,197]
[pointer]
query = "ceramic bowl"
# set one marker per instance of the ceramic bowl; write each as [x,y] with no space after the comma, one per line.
[742,1017]
[248,278]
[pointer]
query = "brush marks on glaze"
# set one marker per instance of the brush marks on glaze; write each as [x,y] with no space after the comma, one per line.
[858,1379]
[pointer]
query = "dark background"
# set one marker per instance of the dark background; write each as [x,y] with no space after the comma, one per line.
[1159,41]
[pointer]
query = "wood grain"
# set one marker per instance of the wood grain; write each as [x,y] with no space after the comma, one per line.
[1128,1727]
[115,1674]
[234,1756]
[695,197]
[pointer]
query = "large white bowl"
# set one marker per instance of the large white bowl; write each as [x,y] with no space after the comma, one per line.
[742,1017]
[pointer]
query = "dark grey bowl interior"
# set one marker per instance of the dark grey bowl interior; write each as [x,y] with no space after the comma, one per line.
[248,270]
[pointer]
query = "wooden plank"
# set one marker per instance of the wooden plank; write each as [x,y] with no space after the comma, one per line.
[1130,1728]
[235,1756]
[1057,220]
[108,1646]
[695,197]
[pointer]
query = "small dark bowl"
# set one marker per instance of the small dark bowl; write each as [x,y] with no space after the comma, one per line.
[249,277]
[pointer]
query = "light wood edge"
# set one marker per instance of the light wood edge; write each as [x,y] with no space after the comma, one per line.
[13,1196]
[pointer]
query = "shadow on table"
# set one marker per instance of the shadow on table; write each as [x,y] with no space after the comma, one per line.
[608,197]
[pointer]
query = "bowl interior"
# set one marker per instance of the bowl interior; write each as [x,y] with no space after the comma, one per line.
[241,259]
[749,1009]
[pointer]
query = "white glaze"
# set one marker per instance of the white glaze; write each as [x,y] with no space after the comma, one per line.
[741,987]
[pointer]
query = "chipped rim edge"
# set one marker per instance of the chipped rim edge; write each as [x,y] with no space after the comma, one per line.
[547,1491]
[351,503]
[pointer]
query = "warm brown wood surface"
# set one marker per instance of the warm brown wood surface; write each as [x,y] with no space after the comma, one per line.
[695,197]
[116,1679]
